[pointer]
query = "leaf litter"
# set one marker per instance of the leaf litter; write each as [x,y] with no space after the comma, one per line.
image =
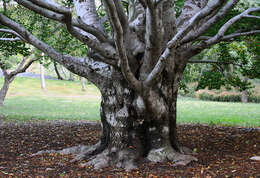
[221,151]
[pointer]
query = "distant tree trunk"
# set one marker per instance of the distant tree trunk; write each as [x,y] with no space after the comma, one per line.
[5,5]
[83,85]
[4,89]
[71,77]
[244,97]
[57,71]
[43,86]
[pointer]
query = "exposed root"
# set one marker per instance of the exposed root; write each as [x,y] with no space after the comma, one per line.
[167,153]
[124,159]
[80,151]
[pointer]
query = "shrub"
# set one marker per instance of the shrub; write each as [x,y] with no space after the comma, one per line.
[226,98]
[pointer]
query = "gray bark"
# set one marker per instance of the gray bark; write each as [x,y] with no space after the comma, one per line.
[137,68]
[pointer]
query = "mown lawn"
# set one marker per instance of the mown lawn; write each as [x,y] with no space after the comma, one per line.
[65,100]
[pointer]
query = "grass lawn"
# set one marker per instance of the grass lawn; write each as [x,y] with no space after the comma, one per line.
[65,100]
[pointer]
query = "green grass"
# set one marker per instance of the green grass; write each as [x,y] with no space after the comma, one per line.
[65,100]
[218,113]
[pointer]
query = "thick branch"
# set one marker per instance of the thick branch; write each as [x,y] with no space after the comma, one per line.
[119,36]
[121,14]
[52,6]
[153,37]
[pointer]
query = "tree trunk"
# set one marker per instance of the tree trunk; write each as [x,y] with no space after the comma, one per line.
[4,89]
[244,96]
[57,71]
[135,128]
[71,77]
[83,85]
[43,86]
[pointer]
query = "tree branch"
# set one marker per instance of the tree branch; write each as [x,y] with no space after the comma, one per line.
[173,43]
[119,39]
[12,32]
[210,62]
[233,35]
[10,39]
[153,37]
[21,69]
[76,65]
[192,36]
[52,6]
[121,14]
[220,35]
[58,13]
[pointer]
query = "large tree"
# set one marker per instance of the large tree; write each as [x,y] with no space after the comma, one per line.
[137,64]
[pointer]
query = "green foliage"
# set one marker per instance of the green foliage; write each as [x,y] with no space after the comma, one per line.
[211,79]
[236,62]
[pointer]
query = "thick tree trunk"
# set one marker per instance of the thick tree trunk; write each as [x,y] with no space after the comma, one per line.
[135,128]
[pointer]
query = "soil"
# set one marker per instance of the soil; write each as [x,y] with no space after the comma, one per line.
[221,152]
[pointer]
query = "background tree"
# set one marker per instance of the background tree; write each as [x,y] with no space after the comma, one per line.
[137,64]
[11,46]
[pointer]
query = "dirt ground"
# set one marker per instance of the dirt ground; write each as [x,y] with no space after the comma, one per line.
[221,152]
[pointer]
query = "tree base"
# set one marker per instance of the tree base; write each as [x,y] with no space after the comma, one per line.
[126,159]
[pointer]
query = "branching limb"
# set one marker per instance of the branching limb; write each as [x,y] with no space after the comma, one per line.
[22,68]
[220,35]
[66,17]
[153,37]
[75,65]
[58,13]
[230,4]
[119,38]
[174,42]
[12,32]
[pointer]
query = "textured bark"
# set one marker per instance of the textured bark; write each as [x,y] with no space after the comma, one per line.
[137,67]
